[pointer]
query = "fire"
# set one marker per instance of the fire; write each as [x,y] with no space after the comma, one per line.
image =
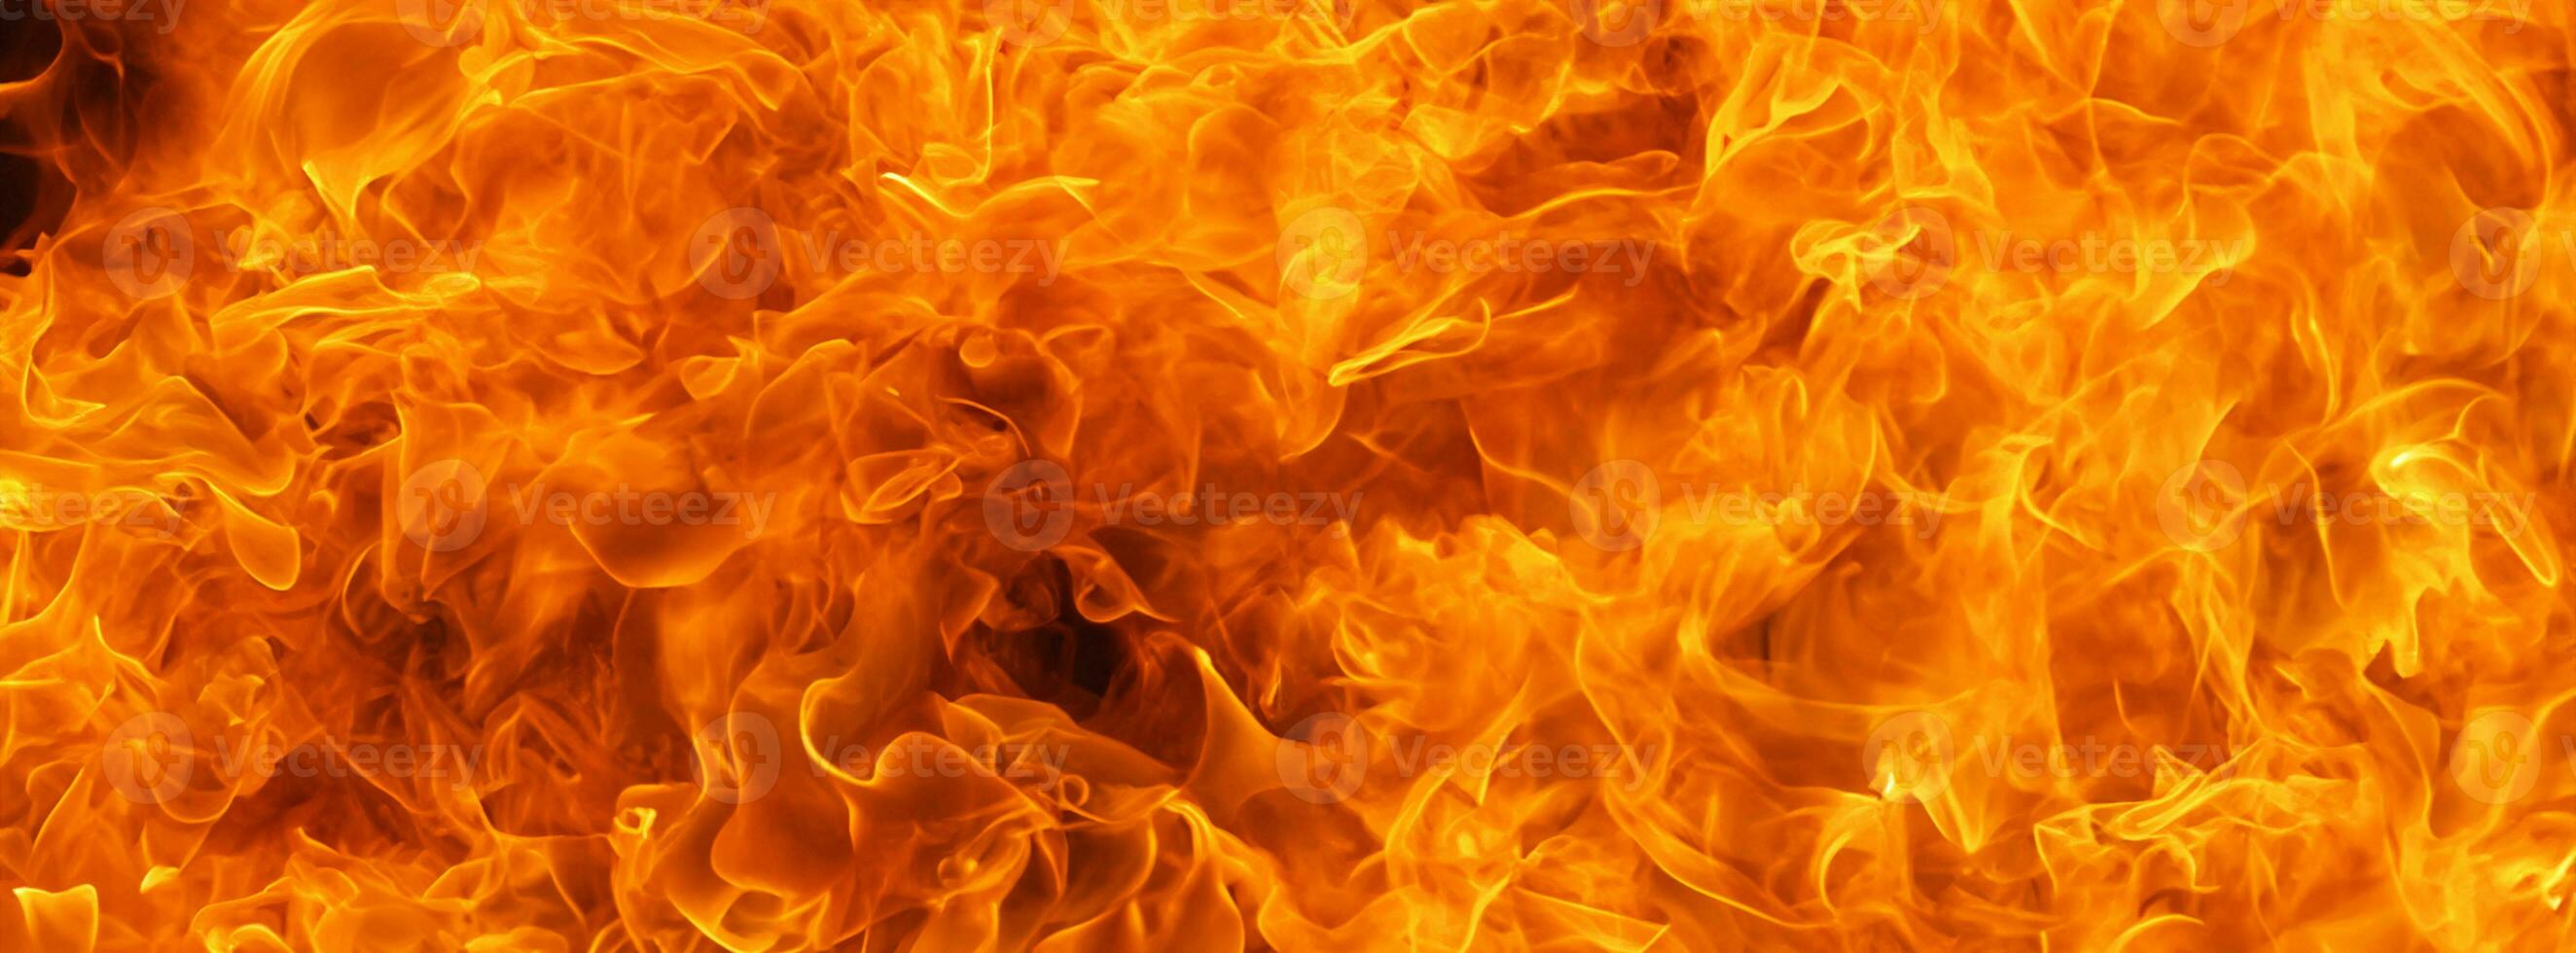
[762,475]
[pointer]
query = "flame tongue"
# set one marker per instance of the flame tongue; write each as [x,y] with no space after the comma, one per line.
[1120,474]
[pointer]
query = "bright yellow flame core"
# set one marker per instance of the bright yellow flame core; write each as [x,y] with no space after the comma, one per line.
[2203,366]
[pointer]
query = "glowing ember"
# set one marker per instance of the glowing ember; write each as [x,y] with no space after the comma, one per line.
[604,475]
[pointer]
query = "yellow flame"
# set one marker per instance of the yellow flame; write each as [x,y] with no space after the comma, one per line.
[1286,474]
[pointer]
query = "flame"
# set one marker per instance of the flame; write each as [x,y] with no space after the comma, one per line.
[595,475]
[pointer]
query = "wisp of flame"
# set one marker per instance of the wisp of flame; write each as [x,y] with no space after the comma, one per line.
[1304,475]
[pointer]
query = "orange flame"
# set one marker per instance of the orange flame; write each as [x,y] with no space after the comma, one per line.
[600,475]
